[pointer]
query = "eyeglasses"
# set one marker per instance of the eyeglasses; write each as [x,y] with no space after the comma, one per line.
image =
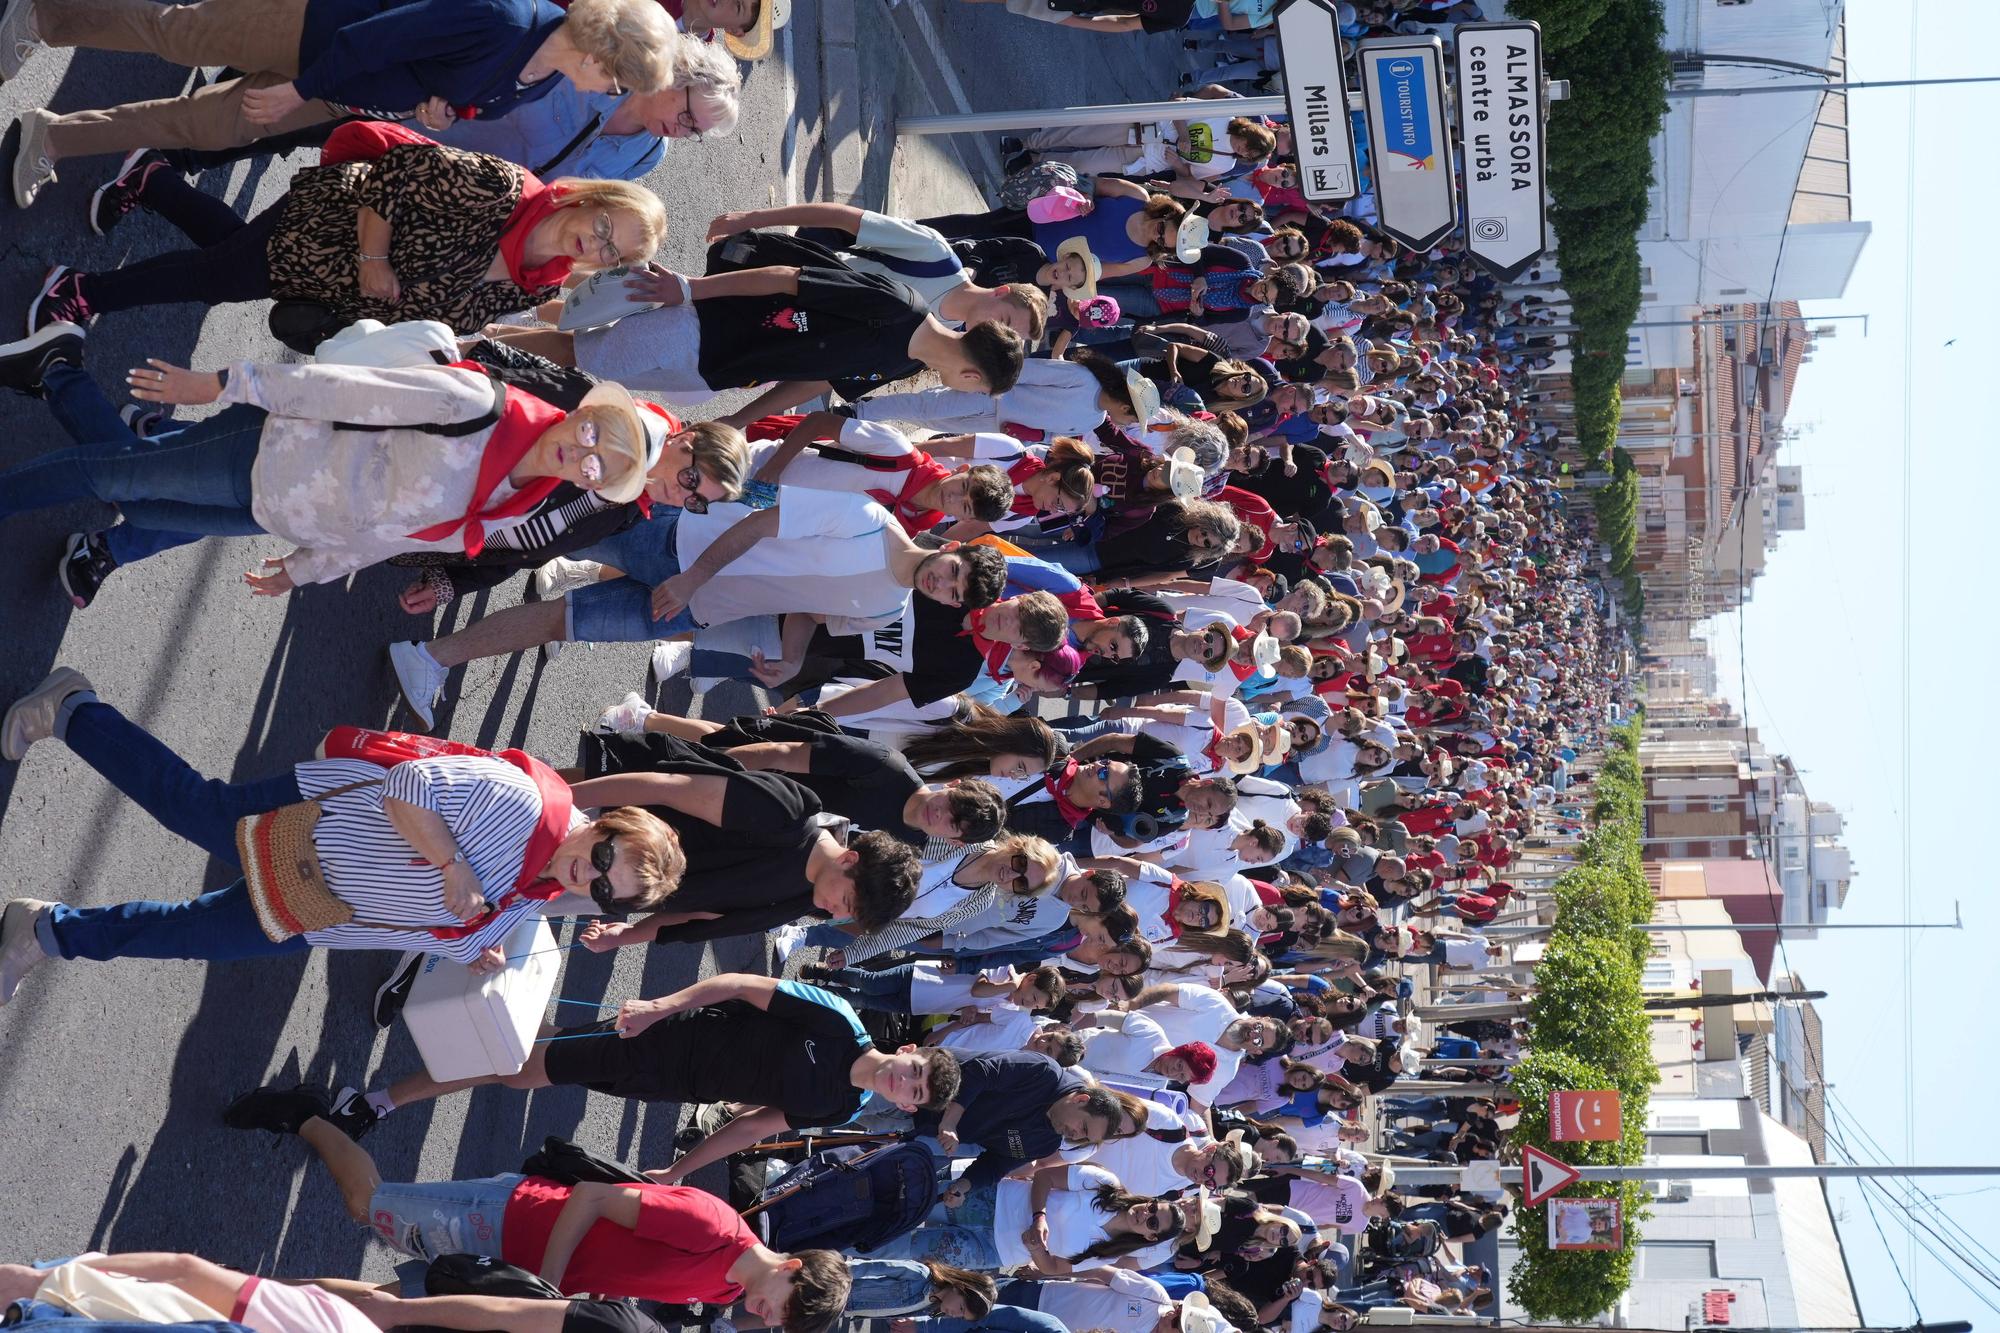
[591,465]
[690,480]
[687,121]
[607,242]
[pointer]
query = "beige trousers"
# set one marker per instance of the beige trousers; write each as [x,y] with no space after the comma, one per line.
[260,37]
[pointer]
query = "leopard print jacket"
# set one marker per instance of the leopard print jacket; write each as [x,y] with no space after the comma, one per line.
[446,208]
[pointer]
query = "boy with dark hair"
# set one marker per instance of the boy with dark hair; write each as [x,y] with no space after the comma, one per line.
[655,1242]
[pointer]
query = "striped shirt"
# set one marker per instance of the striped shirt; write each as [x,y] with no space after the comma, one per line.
[549,520]
[491,808]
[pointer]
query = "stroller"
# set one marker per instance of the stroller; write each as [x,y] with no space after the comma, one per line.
[854,1197]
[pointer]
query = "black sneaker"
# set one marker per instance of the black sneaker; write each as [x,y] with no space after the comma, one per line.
[120,195]
[1018,162]
[351,1114]
[60,301]
[391,995]
[86,563]
[25,363]
[1009,145]
[275,1109]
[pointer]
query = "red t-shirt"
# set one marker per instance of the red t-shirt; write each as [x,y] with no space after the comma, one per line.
[680,1251]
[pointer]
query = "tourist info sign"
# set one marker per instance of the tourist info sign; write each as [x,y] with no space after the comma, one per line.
[1409,142]
[1500,119]
[1315,67]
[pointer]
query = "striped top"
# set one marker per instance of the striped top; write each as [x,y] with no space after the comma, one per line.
[547,522]
[491,807]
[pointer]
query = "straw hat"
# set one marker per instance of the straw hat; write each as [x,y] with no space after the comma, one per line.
[616,399]
[1252,761]
[756,43]
[1093,267]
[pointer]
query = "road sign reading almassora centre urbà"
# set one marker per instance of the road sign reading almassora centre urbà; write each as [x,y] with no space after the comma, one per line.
[1409,142]
[1315,67]
[1500,122]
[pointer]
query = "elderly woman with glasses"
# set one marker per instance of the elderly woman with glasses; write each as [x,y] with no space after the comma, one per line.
[389,226]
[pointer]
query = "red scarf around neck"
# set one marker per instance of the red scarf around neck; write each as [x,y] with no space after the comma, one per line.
[537,202]
[523,420]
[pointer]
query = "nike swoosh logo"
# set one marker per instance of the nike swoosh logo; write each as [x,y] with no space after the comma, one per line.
[811,1058]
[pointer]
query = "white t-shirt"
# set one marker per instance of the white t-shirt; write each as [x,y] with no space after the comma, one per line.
[1201,1013]
[1145,1165]
[830,556]
[1194,732]
[1465,951]
[915,255]
[1128,1049]
[1075,1224]
[936,992]
[810,469]
[1131,1303]
[1007,1028]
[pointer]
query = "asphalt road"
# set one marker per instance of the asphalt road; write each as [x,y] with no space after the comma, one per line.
[112,1075]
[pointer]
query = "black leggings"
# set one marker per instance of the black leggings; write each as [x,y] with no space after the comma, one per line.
[231,265]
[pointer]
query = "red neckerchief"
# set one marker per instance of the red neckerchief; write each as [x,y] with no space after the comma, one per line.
[537,202]
[1243,670]
[386,749]
[1175,892]
[920,471]
[522,422]
[1057,782]
[1019,472]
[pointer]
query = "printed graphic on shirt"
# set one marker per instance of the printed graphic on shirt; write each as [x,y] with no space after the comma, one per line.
[895,645]
[1200,144]
[788,319]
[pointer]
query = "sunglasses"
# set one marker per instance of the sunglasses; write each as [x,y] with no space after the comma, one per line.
[602,857]
[690,480]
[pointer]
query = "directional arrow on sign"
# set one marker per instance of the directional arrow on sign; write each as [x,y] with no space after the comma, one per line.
[1543,1175]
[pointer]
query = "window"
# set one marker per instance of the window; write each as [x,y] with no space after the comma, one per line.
[1677,1145]
[1676,1259]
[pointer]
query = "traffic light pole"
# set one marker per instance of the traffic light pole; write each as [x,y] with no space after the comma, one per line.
[1449,1175]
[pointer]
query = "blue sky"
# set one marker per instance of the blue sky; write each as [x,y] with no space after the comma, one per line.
[1829,663]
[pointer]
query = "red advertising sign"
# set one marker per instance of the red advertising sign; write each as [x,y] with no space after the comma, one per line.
[1585,1117]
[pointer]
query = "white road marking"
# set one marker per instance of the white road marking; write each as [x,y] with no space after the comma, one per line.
[942,64]
[788,147]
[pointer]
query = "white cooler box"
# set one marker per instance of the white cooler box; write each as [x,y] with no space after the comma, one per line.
[467,1024]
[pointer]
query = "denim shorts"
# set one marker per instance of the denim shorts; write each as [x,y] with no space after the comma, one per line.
[430,1218]
[621,610]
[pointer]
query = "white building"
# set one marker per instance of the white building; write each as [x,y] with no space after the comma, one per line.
[1750,201]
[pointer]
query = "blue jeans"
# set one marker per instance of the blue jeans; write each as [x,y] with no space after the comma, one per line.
[1076,557]
[884,1288]
[218,925]
[88,417]
[431,1218]
[621,610]
[192,482]
[886,991]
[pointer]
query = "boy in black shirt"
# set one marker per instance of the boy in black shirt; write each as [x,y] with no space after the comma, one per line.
[794,1054]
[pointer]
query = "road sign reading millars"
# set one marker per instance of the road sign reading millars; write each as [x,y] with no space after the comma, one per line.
[1542,1175]
[1500,122]
[1409,143]
[1315,67]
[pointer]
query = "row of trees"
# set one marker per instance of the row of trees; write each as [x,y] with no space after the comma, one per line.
[1589,1029]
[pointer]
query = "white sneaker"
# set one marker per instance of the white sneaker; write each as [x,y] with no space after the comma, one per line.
[18,39]
[627,717]
[33,167]
[553,649]
[420,677]
[19,949]
[785,939]
[562,574]
[670,658]
[32,717]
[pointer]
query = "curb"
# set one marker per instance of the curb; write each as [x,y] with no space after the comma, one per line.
[841,94]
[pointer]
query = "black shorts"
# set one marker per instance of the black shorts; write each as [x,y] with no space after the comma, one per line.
[651,1067]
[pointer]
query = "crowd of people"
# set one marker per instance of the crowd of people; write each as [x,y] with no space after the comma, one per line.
[1174,626]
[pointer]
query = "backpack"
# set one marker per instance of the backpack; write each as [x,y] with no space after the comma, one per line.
[853,1197]
[1032,182]
[566,1164]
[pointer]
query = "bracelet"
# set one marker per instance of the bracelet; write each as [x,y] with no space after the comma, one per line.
[366,258]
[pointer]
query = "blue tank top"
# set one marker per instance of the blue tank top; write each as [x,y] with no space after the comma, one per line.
[1103,227]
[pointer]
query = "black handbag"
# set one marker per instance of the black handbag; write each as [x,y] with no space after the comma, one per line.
[566,1164]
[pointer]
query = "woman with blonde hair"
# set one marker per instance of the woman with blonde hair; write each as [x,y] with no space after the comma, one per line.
[310,61]
[389,226]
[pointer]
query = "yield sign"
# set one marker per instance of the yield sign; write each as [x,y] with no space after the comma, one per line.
[1543,1175]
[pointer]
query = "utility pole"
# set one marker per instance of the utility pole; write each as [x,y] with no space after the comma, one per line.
[1675,927]
[1449,1175]
[1674,94]
[1717,999]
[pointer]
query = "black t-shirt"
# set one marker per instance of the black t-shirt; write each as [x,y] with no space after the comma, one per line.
[995,261]
[928,647]
[863,782]
[1152,669]
[840,325]
[1305,495]
[619,1316]
[751,867]
[796,1056]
